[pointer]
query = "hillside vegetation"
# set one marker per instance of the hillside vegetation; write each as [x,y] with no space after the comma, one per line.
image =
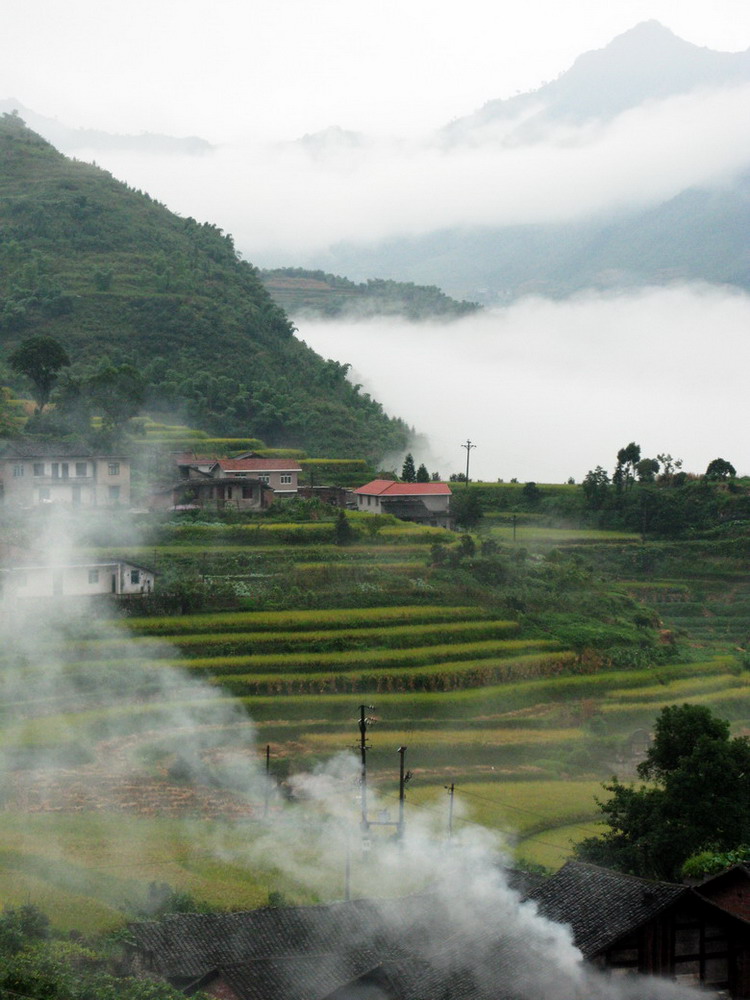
[109,272]
[314,293]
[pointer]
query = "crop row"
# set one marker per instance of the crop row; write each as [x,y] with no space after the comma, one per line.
[304,661]
[264,621]
[319,640]
[435,677]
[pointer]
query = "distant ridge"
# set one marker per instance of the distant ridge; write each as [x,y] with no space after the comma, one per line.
[71,140]
[646,63]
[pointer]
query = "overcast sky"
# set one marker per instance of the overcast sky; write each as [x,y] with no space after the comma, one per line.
[281,68]
[547,389]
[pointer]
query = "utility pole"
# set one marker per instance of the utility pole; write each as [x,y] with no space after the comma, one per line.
[364,722]
[268,778]
[402,779]
[468,446]
[450,789]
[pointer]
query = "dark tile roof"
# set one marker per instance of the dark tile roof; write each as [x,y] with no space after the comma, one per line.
[600,905]
[31,448]
[294,977]
[189,945]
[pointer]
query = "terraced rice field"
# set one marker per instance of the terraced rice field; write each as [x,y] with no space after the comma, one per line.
[524,729]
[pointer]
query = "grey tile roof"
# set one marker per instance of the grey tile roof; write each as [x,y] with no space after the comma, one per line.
[600,905]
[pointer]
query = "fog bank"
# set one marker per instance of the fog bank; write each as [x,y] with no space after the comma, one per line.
[549,389]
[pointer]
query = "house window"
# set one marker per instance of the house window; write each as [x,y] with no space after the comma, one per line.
[55,470]
[114,492]
[93,576]
[44,494]
[114,468]
[135,576]
[38,468]
[81,468]
[247,493]
[369,501]
[285,480]
[265,479]
[229,492]
[17,470]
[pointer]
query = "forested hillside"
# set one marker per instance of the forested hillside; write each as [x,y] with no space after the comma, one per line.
[107,271]
[314,293]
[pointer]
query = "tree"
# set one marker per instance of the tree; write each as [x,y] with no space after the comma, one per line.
[408,472]
[719,468]
[466,508]
[40,360]
[627,460]
[423,475]
[595,487]
[698,798]
[647,469]
[343,532]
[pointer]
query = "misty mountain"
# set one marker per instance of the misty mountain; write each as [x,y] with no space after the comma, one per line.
[647,63]
[699,234]
[70,140]
[111,273]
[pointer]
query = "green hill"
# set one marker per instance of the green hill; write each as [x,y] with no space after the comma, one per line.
[304,293]
[108,271]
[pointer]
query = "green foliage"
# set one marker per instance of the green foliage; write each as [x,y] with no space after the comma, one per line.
[344,533]
[408,472]
[40,360]
[699,798]
[466,507]
[21,926]
[303,292]
[719,468]
[193,319]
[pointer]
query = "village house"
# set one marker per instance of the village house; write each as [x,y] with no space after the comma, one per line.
[209,483]
[76,580]
[416,947]
[423,503]
[626,924]
[39,472]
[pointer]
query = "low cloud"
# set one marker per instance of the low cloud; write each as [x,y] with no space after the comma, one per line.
[282,202]
[549,389]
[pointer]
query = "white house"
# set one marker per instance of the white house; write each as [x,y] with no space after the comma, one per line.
[76,580]
[34,473]
[424,503]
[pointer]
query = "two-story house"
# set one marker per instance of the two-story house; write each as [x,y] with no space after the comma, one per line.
[41,472]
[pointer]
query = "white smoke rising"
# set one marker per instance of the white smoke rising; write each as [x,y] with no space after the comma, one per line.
[549,390]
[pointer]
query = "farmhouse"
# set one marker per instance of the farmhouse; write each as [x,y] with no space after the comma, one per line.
[627,924]
[281,474]
[418,947]
[42,472]
[424,503]
[76,580]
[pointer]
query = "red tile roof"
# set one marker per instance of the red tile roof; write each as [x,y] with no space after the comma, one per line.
[386,487]
[258,465]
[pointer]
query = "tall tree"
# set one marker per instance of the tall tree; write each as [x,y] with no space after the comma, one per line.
[423,476]
[698,798]
[40,359]
[408,472]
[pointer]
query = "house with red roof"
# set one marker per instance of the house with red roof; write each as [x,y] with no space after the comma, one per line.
[423,503]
